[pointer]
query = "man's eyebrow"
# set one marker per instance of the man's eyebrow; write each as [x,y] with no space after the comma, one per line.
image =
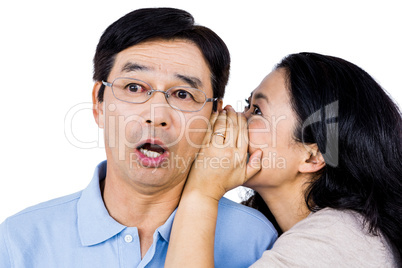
[260,95]
[191,80]
[131,66]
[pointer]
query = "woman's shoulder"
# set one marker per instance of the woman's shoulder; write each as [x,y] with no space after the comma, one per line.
[330,238]
[342,230]
[327,219]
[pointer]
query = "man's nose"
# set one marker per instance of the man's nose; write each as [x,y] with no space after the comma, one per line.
[159,113]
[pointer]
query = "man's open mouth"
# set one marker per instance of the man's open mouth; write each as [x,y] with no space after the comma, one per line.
[151,150]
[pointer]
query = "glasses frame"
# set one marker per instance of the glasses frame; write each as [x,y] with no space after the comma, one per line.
[151,93]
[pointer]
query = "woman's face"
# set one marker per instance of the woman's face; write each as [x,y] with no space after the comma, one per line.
[271,122]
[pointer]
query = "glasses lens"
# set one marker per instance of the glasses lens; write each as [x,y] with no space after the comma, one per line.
[131,90]
[186,99]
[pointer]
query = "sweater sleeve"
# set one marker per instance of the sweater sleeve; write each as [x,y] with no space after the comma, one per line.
[5,260]
[328,238]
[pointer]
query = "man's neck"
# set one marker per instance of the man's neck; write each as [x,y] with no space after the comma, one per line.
[133,208]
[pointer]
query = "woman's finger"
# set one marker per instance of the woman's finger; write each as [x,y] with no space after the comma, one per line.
[231,127]
[254,164]
[242,137]
[219,129]
[208,134]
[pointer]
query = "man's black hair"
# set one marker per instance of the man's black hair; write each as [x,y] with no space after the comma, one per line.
[161,23]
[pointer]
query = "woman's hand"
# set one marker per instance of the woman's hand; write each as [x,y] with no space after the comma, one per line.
[221,164]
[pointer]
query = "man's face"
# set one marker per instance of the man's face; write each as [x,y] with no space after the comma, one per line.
[151,144]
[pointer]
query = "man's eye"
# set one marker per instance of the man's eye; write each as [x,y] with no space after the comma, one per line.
[256,110]
[135,88]
[183,94]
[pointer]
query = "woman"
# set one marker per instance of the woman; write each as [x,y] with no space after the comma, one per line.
[326,140]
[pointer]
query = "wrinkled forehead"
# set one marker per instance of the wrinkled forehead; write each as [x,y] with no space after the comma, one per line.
[165,55]
[164,61]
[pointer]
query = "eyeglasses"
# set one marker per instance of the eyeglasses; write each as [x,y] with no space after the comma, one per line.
[183,98]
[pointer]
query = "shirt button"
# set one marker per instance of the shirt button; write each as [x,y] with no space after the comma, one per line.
[128,238]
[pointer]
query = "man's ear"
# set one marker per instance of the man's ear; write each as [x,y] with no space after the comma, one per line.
[219,105]
[313,160]
[97,107]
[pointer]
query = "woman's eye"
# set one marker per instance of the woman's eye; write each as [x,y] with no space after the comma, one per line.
[135,88]
[256,110]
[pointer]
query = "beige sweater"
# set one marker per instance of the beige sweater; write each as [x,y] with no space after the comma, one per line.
[329,238]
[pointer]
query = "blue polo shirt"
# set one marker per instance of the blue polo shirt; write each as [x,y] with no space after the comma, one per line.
[77,231]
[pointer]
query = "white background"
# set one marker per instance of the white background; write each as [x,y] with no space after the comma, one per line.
[46,68]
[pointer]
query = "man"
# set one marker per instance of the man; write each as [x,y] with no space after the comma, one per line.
[158,78]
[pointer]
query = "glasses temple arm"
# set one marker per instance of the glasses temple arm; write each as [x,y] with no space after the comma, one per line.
[211,99]
[106,84]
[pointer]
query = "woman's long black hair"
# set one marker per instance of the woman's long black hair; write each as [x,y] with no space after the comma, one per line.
[357,128]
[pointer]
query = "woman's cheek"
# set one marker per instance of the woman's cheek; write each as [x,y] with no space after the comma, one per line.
[259,134]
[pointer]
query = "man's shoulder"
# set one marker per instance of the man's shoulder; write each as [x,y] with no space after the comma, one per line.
[241,216]
[232,209]
[46,210]
[242,235]
[47,227]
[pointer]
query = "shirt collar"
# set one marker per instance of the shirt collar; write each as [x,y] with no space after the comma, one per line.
[95,225]
[165,229]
